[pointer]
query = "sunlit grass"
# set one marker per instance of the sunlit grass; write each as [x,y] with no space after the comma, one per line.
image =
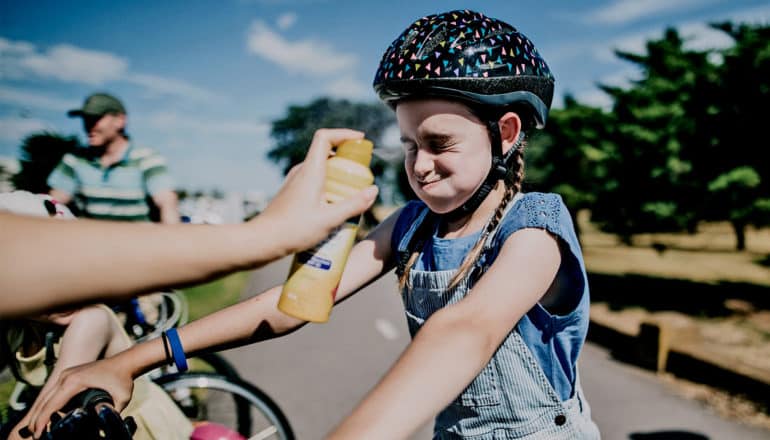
[212,296]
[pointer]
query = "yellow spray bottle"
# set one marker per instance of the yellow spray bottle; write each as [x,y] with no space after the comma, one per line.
[311,287]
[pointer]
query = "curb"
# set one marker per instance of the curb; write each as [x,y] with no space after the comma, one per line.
[662,347]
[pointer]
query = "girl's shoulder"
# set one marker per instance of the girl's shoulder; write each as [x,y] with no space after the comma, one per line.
[539,210]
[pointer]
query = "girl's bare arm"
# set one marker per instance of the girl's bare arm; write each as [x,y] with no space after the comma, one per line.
[456,342]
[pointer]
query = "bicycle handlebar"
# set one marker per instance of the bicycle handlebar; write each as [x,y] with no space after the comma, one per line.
[89,415]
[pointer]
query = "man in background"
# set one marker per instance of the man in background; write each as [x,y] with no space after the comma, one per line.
[115,179]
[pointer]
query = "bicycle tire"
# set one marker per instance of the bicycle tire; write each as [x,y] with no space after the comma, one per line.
[219,364]
[271,422]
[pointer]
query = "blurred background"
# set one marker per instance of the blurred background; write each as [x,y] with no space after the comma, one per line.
[656,141]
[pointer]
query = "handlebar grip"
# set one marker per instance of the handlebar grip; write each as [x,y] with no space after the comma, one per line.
[95,396]
[88,399]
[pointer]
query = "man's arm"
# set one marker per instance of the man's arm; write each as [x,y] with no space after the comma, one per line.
[168,205]
[60,196]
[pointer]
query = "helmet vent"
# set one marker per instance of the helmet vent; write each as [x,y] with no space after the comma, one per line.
[433,39]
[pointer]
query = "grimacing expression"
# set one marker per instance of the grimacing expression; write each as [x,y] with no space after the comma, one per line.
[447,151]
[102,130]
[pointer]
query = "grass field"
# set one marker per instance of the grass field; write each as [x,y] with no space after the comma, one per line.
[209,297]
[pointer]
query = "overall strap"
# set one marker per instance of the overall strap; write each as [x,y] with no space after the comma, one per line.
[489,241]
[414,238]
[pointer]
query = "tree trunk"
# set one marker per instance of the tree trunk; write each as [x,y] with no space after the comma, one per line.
[739,228]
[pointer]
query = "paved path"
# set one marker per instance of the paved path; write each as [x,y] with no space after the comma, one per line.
[319,373]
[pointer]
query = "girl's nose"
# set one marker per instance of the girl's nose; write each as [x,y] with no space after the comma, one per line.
[423,163]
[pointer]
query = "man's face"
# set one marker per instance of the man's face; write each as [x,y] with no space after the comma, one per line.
[102,130]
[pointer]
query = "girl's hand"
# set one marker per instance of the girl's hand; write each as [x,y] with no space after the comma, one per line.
[104,374]
[14,435]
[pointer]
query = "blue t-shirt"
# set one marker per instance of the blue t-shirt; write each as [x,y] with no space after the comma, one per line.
[554,340]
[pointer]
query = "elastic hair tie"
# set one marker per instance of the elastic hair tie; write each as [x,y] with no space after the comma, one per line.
[176,350]
[169,358]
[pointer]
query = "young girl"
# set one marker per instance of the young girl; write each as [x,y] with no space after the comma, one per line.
[493,281]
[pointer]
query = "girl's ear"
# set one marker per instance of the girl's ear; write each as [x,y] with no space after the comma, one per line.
[510,127]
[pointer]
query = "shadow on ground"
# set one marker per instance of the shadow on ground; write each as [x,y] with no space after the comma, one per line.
[689,297]
[667,435]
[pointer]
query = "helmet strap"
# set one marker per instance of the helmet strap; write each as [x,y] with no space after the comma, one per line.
[498,170]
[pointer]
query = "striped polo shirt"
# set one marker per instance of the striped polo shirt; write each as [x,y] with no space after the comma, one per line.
[116,192]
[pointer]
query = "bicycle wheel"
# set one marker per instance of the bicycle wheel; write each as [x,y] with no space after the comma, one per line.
[215,398]
[217,364]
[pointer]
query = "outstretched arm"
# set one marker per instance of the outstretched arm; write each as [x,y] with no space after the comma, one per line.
[253,320]
[456,342]
[76,257]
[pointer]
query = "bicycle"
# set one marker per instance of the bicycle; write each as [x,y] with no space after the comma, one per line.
[236,404]
[91,414]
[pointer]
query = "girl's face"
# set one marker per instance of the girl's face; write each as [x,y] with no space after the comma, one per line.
[447,151]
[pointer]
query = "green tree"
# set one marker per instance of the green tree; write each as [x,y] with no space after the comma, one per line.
[653,184]
[739,178]
[570,156]
[40,153]
[294,132]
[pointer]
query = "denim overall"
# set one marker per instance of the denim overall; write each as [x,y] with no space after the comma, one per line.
[511,398]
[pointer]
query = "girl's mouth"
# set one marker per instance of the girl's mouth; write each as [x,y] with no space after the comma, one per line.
[429,181]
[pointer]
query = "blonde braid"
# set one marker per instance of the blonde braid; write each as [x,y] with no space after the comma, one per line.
[475,252]
[405,276]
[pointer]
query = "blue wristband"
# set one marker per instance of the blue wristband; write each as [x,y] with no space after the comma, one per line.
[176,350]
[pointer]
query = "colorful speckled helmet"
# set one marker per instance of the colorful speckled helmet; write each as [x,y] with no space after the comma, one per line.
[481,61]
[467,56]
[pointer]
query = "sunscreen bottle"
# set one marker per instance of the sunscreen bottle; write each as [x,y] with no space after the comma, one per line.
[311,287]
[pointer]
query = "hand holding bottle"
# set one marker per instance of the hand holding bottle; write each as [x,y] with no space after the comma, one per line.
[311,288]
[300,210]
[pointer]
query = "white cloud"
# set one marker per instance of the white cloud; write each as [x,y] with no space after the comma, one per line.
[759,15]
[65,62]
[622,77]
[25,98]
[14,128]
[287,20]
[8,47]
[159,85]
[175,122]
[626,11]
[595,98]
[69,63]
[304,56]
[699,36]
[349,88]
[633,43]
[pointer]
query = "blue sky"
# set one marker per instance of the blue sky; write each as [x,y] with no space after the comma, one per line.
[202,80]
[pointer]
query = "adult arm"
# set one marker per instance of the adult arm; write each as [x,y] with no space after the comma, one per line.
[456,342]
[75,256]
[60,196]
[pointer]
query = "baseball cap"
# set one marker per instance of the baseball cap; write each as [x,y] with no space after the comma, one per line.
[98,104]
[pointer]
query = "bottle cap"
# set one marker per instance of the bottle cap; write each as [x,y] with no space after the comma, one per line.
[357,150]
